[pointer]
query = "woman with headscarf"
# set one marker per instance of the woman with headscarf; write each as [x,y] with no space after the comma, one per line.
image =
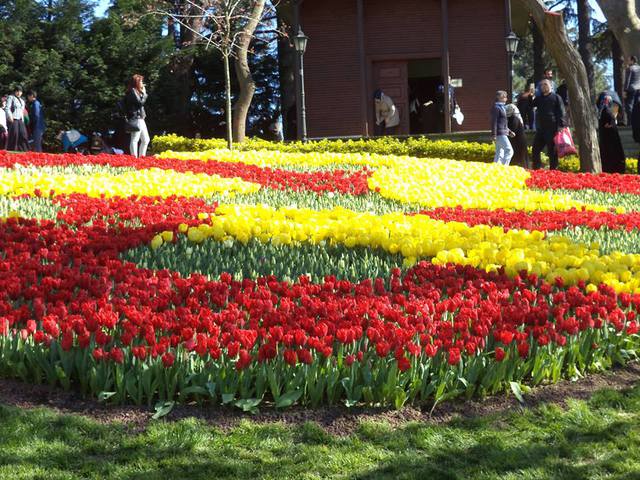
[518,139]
[611,151]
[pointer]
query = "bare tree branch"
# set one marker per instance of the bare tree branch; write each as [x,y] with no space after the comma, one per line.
[229,27]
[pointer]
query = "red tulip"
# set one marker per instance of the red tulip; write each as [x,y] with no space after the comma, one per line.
[168,359]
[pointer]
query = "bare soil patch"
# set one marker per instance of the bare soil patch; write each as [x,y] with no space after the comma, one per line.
[337,420]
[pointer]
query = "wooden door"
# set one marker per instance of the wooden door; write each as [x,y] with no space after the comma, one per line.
[392,78]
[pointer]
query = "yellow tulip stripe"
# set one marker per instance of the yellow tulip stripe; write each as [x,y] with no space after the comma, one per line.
[151,182]
[281,159]
[426,181]
[450,183]
[420,237]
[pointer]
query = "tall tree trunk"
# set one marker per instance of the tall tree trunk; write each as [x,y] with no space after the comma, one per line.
[618,70]
[171,29]
[570,64]
[585,44]
[287,70]
[181,68]
[245,80]
[227,90]
[623,17]
[180,87]
[538,50]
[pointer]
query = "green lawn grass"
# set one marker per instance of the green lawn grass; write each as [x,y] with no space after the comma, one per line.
[597,439]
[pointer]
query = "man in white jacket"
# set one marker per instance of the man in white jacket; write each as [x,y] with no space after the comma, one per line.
[18,137]
[387,115]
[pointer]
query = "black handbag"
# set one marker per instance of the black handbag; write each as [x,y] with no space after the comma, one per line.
[131,125]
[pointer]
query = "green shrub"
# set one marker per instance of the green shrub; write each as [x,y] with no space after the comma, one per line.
[420,147]
[415,147]
[572,164]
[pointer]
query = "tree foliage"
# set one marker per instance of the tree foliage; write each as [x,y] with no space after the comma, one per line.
[77,63]
[80,63]
[601,49]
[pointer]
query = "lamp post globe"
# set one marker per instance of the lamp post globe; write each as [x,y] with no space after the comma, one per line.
[511,43]
[300,41]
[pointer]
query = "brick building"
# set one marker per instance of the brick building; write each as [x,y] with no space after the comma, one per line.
[407,48]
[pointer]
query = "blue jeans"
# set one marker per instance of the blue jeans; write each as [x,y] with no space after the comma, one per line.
[504,150]
[37,140]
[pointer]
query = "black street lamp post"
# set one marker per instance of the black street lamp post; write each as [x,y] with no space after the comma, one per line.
[511,44]
[300,43]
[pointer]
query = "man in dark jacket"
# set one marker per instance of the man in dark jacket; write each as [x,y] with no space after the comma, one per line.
[631,86]
[36,120]
[548,76]
[549,119]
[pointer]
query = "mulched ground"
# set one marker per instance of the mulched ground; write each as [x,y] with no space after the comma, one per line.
[335,420]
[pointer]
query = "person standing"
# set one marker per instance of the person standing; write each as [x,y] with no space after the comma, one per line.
[548,76]
[518,139]
[134,102]
[631,85]
[549,119]
[414,113]
[563,92]
[36,120]
[611,150]
[14,109]
[635,122]
[500,130]
[453,106]
[274,132]
[3,124]
[387,115]
[525,106]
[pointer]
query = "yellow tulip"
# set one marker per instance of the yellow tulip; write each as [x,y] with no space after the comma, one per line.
[421,237]
[156,242]
[146,182]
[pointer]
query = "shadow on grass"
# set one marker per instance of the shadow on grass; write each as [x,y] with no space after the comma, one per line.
[541,459]
[586,440]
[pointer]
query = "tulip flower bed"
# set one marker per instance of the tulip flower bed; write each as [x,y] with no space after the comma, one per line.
[174,146]
[613,183]
[266,277]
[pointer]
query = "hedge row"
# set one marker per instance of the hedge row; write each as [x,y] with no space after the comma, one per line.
[414,147]
[420,147]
